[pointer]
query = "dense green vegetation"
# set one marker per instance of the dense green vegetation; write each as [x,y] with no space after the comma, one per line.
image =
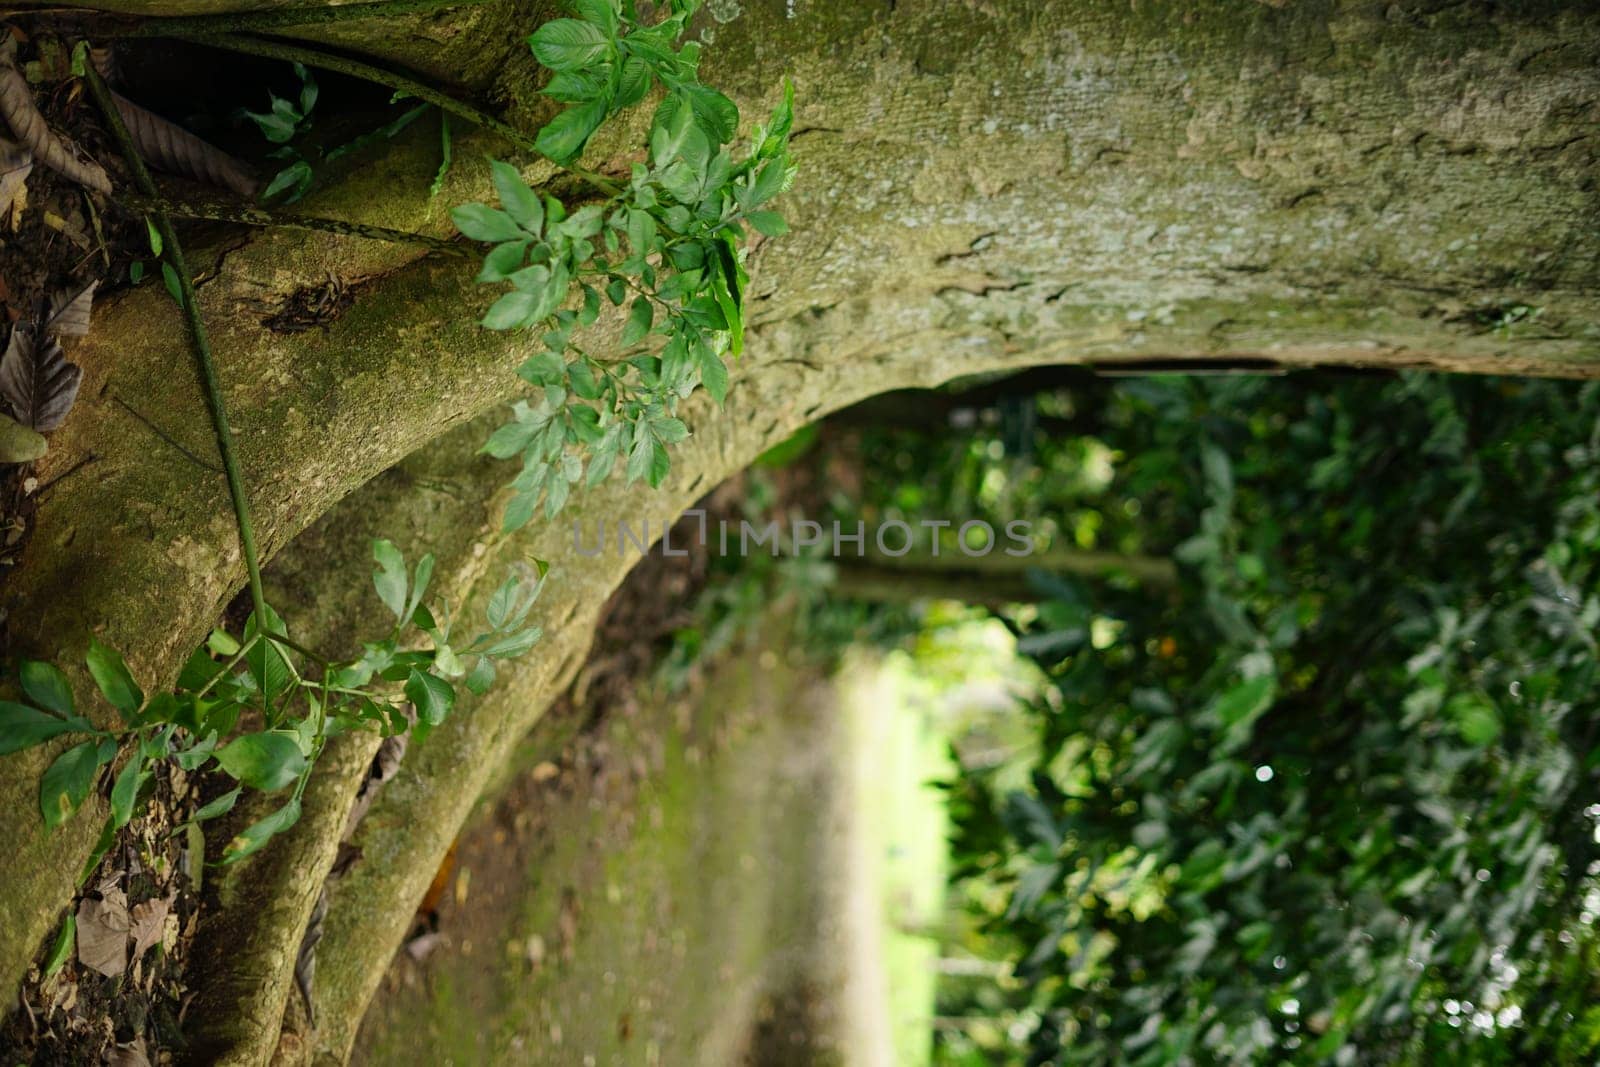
[1333,798]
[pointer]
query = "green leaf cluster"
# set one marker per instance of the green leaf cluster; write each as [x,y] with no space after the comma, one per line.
[289,700]
[1331,800]
[666,245]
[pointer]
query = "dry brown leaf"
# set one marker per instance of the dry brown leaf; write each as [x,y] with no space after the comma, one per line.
[69,311]
[148,924]
[169,934]
[16,163]
[37,381]
[17,107]
[103,933]
[169,147]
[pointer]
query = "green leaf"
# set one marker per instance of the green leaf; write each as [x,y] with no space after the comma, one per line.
[669,430]
[713,373]
[484,223]
[600,12]
[390,578]
[503,602]
[220,806]
[670,128]
[267,761]
[514,644]
[46,685]
[633,83]
[577,86]
[563,137]
[519,510]
[660,465]
[432,696]
[769,223]
[297,176]
[126,789]
[639,455]
[67,781]
[503,261]
[714,112]
[62,949]
[769,182]
[726,288]
[778,127]
[567,44]
[1246,701]
[545,368]
[640,318]
[267,663]
[581,377]
[481,677]
[514,310]
[198,670]
[641,233]
[223,643]
[520,202]
[23,727]
[196,754]
[252,838]
[1476,720]
[111,674]
[419,583]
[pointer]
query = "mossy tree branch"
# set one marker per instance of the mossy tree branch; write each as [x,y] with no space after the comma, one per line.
[282,18]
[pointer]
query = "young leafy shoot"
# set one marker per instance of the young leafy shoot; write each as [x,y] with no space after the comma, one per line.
[666,245]
[267,681]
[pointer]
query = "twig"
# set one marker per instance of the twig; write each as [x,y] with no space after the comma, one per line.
[39,493]
[197,333]
[219,211]
[266,21]
[168,438]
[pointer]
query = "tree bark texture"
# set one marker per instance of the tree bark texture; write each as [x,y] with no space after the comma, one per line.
[985,185]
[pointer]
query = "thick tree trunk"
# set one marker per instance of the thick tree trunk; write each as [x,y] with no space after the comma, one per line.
[984,186]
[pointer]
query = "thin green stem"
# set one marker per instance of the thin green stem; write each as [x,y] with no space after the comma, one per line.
[197,334]
[279,639]
[227,669]
[283,18]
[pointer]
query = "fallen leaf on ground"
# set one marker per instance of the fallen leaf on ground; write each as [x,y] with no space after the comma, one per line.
[103,933]
[37,381]
[16,163]
[69,311]
[148,921]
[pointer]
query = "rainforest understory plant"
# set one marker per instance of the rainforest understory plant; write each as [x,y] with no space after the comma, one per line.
[259,706]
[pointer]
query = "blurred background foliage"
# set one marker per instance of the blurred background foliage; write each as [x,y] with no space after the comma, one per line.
[1333,794]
